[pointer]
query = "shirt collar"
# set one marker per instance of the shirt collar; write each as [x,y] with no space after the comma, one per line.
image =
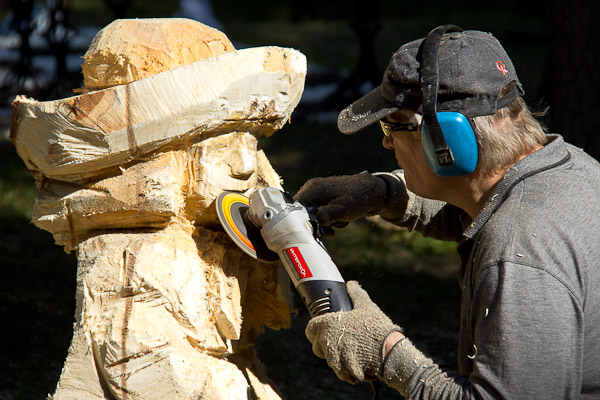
[551,155]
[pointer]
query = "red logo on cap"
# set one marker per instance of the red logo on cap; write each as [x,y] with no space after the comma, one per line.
[501,67]
[299,263]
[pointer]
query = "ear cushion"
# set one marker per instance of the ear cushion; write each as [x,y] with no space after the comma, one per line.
[459,137]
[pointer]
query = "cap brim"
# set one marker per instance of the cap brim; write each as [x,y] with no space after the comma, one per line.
[365,111]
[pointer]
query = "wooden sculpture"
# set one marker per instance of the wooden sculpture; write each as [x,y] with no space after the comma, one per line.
[127,171]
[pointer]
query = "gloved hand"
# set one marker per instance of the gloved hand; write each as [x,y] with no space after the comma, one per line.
[342,199]
[352,341]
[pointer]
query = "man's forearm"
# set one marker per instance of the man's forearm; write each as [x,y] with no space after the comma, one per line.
[432,218]
[416,376]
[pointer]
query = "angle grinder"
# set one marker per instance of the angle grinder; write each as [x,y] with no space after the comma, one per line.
[270,226]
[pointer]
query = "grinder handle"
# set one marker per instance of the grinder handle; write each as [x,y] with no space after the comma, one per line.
[321,296]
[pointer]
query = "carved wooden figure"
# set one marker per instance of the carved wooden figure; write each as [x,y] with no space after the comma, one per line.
[167,306]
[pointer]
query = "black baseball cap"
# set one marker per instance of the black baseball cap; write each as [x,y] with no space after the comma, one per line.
[473,71]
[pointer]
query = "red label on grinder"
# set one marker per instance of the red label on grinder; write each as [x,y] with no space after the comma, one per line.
[298,262]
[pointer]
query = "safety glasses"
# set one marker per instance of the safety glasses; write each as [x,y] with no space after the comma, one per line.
[389,127]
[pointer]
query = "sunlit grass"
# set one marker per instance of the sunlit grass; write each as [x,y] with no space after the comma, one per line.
[371,247]
[17,187]
[17,200]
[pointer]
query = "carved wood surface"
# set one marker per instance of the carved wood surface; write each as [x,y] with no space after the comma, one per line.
[167,306]
[128,50]
[253,90]
[178,183]
[161,316]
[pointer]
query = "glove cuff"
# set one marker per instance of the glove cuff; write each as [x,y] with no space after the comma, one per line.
[371,346]
[396,197]
[403,360]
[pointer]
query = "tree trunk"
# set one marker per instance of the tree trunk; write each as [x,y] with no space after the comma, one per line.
[575,82]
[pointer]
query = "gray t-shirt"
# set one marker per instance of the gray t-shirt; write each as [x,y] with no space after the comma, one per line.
[530,279]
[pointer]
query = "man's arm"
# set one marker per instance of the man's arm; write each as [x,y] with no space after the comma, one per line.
[431,218]
[342,199]
[527,342]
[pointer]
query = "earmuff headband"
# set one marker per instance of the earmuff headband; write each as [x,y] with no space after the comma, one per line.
[429,87]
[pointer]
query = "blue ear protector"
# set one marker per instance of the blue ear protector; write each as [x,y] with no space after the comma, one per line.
[447,137]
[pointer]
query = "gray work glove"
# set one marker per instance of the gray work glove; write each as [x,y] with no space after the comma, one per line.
[342,199]
[352,341]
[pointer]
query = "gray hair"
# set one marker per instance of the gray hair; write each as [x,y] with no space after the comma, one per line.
[506,135]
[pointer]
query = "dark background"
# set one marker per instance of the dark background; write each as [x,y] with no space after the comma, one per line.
[554,46]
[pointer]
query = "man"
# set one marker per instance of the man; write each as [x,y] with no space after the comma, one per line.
[524,207]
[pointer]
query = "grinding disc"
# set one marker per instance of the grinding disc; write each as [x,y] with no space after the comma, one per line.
[231,210]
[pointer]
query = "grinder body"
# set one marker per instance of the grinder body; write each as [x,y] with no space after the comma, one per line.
[270,226]
[287,230]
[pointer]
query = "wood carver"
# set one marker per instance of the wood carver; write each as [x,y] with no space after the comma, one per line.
[127,171]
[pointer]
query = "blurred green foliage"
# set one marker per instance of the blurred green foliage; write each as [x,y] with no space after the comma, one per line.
[17,188]
[37,290]
[98,13]
[322,29]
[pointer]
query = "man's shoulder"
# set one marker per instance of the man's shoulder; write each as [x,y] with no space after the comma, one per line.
[549,223]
